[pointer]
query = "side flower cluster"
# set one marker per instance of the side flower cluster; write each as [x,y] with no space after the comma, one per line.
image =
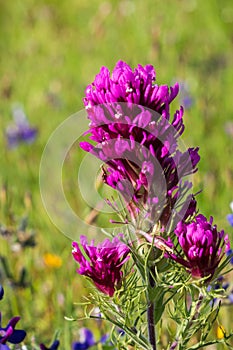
[200,246]
[104,262]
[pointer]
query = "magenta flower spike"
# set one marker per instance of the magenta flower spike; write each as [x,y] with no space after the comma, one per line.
[104,262]
[137,139]
[200,246]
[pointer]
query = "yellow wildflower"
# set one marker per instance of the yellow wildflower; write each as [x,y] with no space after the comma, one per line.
[52,260]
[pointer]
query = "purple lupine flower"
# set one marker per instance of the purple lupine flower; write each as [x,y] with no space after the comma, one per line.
[230,216]
[221,283]
[104,264]
[1,292]
[137,139]
[230,297]
[200,246]
[54,346]
[186,99]
[230,219]
[20,131]
[230,253]
[87,340]
[10,334]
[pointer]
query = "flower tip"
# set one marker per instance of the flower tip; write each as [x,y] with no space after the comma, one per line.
[86,146]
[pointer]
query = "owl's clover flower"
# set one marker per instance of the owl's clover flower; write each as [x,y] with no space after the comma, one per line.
[137,139]
[200,246]
[104,262]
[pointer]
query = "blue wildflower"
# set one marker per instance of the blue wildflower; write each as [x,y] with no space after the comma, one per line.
[222,284]
[1,292]
[230,253]
[87,340]
[10,334]
[230,216]
[230,297]
[54,346]
[186,99]
[20,131]
[230,219]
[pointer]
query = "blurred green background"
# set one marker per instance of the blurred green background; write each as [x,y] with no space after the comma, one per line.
[50,51]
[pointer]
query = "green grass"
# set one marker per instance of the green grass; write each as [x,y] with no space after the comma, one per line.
[50,51]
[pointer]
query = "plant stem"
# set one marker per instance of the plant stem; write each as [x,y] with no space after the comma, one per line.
[150,318]
[151,325]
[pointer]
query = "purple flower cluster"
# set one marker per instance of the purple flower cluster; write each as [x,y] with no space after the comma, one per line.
[200,246]
[20,131]
[138,140]
[104,262]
